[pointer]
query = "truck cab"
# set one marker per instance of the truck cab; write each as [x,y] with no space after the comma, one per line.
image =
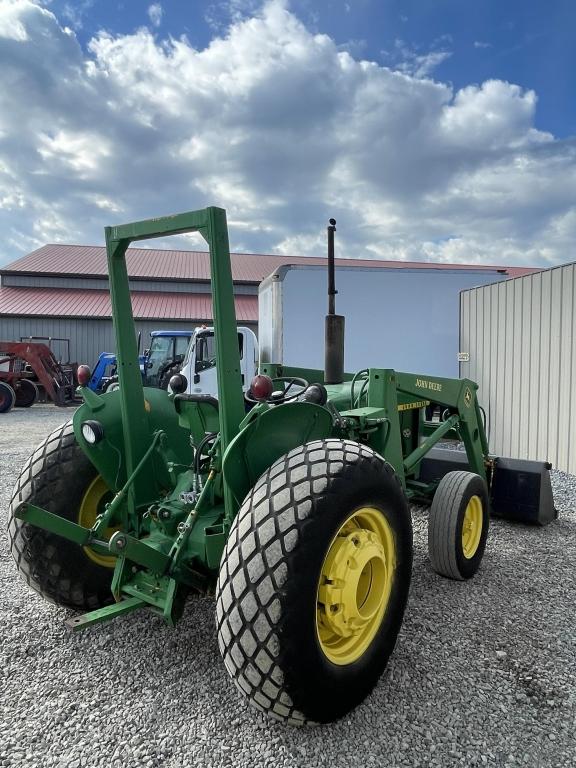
[199,366]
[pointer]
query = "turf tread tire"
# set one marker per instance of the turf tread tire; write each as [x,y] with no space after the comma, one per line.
[55,477]
[263,572]
[445,525]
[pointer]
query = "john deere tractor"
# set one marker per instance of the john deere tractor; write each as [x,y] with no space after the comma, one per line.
[290,504]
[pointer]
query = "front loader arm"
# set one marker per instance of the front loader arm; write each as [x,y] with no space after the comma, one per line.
[458,395]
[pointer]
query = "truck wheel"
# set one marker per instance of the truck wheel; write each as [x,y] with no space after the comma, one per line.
[458,525]
[26,393]
[314,580]
[7,397]
[59,478]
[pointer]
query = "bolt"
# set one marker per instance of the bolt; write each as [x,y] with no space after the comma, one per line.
[120,543]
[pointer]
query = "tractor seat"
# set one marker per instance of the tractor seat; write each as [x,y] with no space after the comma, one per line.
[198,413]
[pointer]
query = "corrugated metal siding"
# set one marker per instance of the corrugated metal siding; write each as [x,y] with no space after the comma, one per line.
[521,337]
[47,281]
[87,337]
[99,284]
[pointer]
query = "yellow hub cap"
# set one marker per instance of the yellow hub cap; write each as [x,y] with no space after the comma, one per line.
[91,506]
[472,527]
[355,585]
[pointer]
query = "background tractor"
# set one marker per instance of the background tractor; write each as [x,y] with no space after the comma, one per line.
[162,359]
[290,504]
[28,370]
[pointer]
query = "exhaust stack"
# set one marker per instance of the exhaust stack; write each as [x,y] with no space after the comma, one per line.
[334,338]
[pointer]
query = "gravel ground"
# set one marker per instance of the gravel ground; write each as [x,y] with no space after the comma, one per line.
[484,673]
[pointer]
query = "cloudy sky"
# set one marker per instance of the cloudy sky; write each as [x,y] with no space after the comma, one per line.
[441,131]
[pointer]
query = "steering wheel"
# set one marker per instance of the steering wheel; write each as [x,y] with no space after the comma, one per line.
[281,396]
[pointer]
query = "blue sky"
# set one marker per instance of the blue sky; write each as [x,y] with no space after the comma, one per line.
[439,131]
[527,42]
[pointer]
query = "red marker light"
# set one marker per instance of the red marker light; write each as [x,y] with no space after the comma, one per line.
[83,374]
[261,387]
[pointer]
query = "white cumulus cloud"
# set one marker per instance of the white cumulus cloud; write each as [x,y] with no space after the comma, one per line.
[155,13]
[282,128]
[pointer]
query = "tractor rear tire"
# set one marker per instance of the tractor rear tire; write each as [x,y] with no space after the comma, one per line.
[328,514]
[7,397]
[26,393]
[458,525]
[58,477]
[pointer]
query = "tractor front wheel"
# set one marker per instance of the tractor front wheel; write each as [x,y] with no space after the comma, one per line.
[314,580]
[59,478]
[111,385]
[458,525]
[26,393]
[7,397]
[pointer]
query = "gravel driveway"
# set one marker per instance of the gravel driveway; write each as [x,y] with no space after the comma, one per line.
[484,672]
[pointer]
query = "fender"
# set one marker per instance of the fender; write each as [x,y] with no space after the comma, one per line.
[267,437]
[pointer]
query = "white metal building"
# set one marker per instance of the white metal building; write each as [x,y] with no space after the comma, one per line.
[520,336]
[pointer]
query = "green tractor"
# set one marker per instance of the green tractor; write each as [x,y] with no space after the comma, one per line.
[291,504]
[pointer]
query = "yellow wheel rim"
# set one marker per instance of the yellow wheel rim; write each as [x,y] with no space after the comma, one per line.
[472,527]
[355,585]
[91,506]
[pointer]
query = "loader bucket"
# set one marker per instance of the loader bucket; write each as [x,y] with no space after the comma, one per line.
[520,490]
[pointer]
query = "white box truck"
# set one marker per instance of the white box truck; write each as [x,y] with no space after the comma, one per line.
[401,318]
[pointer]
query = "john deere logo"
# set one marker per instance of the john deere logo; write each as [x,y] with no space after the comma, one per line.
[467,397]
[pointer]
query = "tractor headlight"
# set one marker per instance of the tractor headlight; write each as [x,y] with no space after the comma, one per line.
[92,431]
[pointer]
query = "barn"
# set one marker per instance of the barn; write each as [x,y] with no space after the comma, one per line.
[61,292]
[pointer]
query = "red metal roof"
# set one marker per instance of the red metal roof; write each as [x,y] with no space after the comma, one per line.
[58,302]
[151,263]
